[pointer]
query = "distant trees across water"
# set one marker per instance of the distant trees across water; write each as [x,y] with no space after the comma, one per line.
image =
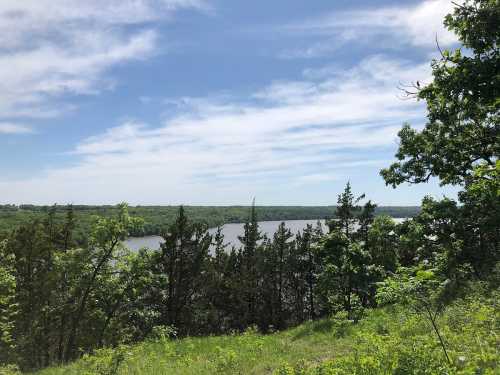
[156,217]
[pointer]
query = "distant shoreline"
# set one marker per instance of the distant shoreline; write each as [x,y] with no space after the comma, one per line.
[156,218]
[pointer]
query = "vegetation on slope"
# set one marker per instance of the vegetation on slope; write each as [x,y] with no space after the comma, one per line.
[392,340]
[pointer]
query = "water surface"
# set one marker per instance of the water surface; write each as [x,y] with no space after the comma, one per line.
[230,231]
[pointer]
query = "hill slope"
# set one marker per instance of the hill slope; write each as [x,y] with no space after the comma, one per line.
[387,341]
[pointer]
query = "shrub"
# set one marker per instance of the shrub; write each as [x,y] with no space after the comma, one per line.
[226,360]
[104,361]
[9,370]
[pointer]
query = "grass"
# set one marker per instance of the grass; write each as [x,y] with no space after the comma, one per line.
[387,341]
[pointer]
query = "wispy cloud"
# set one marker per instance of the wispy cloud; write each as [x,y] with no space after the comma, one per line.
[54,48]
[291,130]
[12,128]
[390,27]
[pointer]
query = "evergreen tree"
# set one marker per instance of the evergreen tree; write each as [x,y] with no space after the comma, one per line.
[249,257]
[345,215]
[365,220]
[183,260]
[237,297]
[382,244]
[302,270]
[275,275]
[217,300]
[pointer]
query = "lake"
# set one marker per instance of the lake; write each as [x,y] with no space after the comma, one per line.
[231,232]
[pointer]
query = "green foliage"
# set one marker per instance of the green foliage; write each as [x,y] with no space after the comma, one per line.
[103,362]
[182,262]
[345,215]
[277,268]
[9,370]
[157,217]
[415,287]
[8,307]
[345,276]
[470,328]
[50,289]
[383,244]
[388,341]
[226,361]
[486,182]
[462,102]
[359,251]
[460,145]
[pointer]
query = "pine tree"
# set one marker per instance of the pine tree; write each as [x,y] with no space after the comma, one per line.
[275,275]
[302,273]
[365,220]
[250,277]
[183,260]
[345,215]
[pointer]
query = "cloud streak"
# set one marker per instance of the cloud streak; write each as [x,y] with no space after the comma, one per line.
[61,48]
[289,133]
[390,27]
[11,128]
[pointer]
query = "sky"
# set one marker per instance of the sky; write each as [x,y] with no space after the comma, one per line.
[210,102]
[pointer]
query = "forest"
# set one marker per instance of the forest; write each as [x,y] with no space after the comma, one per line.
[64,300]
[157,217]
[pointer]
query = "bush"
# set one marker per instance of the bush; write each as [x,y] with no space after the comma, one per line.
[226,361]
[9,370]
[104,361]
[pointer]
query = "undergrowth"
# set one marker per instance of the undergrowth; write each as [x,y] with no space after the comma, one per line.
[392,340]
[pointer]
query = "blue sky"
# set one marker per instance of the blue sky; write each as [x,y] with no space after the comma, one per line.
[209,101]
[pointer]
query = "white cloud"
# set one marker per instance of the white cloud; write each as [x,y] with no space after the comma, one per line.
[11,128]
[50,71]
[225,151]
[23,21]
[402,25]
[53,48]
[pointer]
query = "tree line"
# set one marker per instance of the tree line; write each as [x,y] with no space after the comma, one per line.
[157,217]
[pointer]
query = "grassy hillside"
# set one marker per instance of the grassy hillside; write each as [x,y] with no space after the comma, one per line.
[386,341]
